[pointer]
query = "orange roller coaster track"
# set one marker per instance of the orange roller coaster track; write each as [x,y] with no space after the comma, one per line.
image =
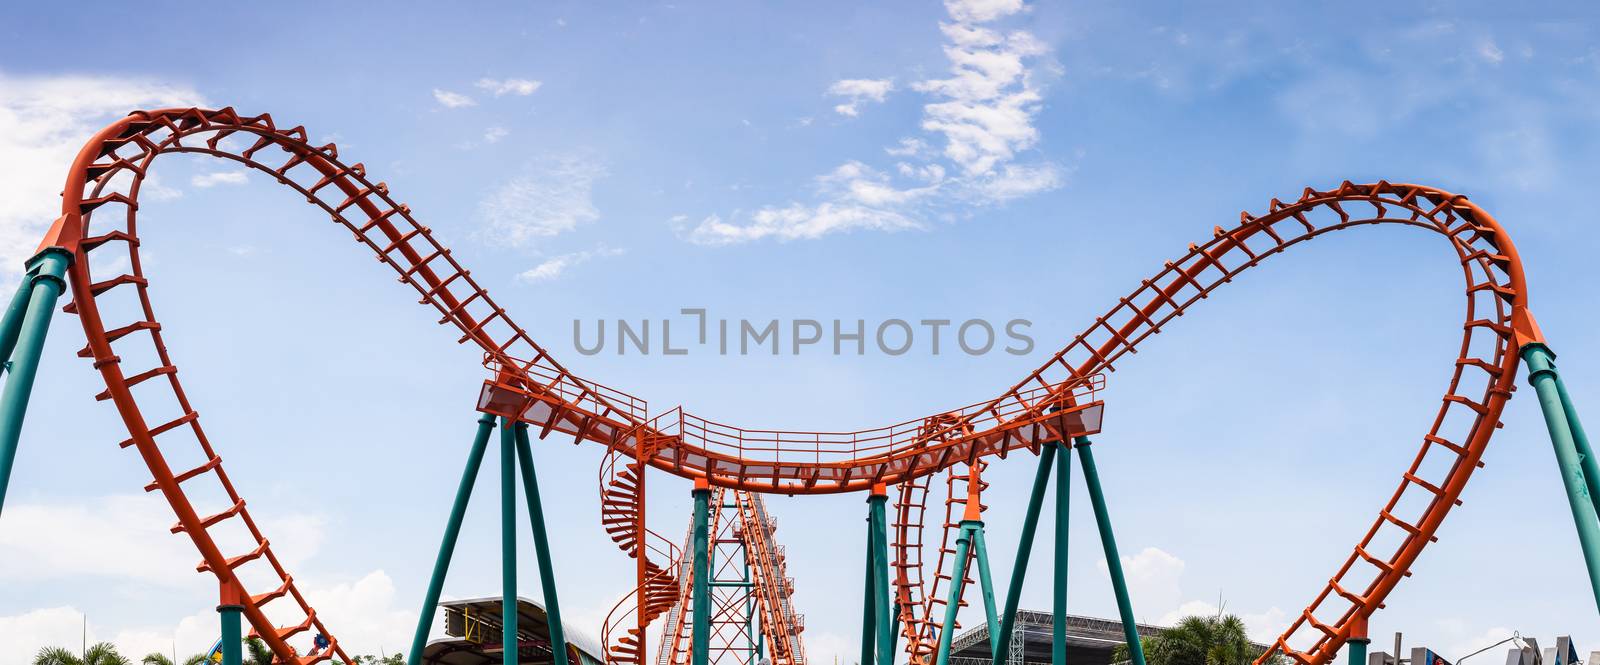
[1055,403]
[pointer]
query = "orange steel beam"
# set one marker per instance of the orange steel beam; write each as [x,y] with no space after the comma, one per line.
[530,385]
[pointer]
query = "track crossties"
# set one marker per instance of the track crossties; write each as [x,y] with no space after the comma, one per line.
[125,342]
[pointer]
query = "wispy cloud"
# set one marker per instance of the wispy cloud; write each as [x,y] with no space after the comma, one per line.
[978,120]
[494,134]
[499,87]
[452,100]
[207,180]
[43,123]
[990,98]
[545,200]
[556,266]
[859,91]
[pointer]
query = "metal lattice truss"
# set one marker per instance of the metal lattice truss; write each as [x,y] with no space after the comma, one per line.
[751,613]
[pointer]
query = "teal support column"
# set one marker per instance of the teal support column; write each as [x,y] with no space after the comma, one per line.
[1358,650]
[985,580]
[749,610]
[452,529]
[11,324]
[509,643]
[1580,440]
[44,283]
[880,575]
[761,644]
[541,546]
[869,621]
[948,628]
[1019,570]
[894,622]
[1102,518]
[232,634]
[701,637]
[1542,374]
[1058,624]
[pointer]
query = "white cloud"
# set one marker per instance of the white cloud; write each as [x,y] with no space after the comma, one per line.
[989,99]
[131,539]
[554,267]
[134,550]
[980,11]
[452,100]
[205,180]
[1263,627]
[1155,578]
[1014,181]
[494,134]
[984,114]
[365,614]
[22,636]
[544,201]
[908,147]
[1490,52]
[799,222]
[859,91]
[43,123]
[518,87]
[154,190]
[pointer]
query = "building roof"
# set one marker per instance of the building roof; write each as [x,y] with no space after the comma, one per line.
[1090,640]
[474,629]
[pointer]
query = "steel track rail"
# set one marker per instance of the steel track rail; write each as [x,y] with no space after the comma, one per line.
[532,386]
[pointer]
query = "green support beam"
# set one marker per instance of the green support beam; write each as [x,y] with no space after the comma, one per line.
[541,546]
[1546,382]
[882,619]
[452,529]
[948,628]
[1058,624]
[749,610]
[1580,440]
[1108,540]
[22,334]
[232,634]
[11,324]
[509,643]
[1358,650]
[869,622]
[701,637]
[1019,570]
[985,579]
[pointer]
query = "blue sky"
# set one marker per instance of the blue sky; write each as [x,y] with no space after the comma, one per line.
[815,161]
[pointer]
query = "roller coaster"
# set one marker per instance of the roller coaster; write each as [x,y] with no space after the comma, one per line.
[722,593]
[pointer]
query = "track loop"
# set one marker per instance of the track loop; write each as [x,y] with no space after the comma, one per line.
[1497,323]
[99,216]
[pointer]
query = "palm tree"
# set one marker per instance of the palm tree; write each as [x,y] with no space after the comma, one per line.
[100,654]
[257,653]
[157,658]
[1196,640]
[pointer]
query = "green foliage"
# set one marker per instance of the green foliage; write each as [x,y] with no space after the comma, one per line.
[100,654]
[155,658]
[391,659]
[1196,640]
[256,652]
